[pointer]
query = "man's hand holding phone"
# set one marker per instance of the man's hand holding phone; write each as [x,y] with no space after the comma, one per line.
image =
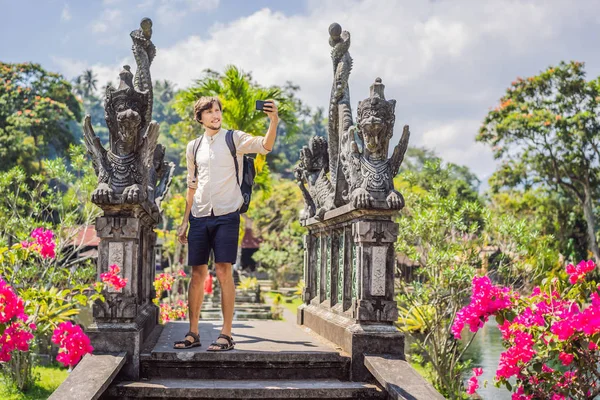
[269,107]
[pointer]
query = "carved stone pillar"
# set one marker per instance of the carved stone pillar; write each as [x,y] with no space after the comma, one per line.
[375,267]
[128,316]
[349,277]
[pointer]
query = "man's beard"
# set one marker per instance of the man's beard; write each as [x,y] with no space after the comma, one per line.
[213,127]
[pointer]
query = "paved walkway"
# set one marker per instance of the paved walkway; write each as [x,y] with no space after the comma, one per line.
[250,336]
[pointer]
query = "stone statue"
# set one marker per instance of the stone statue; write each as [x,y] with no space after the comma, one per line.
[366,166]
[128,171]
[340,112]
[358,170]
[311,175]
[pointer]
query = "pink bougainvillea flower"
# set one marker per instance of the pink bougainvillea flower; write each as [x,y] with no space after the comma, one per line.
[73,343]
[112,278]
[577,273]
[15,337]
[44,242]
[519,394]
[181,273]
[546,369]
[473,383]
[11,305]
[565,358]
[512,360]
[486,300]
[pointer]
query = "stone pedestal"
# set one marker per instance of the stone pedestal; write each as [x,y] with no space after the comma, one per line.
[349,274]
[127,317]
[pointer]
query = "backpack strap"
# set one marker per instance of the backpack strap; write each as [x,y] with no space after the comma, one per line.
[196,147]
[232,149]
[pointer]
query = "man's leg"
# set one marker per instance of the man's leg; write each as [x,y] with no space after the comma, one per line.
[195,298]
[225,276]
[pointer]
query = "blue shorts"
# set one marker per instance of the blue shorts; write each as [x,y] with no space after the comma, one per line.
[217,233]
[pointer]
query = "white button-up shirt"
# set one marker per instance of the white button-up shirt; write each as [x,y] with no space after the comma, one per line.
[216,185]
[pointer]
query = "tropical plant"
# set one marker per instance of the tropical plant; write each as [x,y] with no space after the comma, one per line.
[450,237]
[248,283]
[443,236]
[551,336]
[238,94]
[546,132]
[37,115]
[276,222]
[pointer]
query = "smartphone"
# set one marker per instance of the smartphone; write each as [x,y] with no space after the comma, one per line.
[260,104]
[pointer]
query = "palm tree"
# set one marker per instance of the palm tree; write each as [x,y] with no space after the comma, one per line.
[165,90]
[238,94]
[89,81]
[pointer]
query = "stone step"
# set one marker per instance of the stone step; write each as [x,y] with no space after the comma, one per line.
[241,365]
[247,389]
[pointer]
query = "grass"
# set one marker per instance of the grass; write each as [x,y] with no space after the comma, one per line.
[50,378]
[293,306]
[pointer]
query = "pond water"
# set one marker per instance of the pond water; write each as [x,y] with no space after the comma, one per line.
[485,353]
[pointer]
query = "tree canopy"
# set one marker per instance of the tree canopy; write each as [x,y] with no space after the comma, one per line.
[546,132]
[36,117]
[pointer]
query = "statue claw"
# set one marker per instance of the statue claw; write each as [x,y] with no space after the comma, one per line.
[395,200]
[361,198]
[103,194]
[133,194]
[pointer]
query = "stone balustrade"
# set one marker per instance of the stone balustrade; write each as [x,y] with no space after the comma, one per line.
[349,276]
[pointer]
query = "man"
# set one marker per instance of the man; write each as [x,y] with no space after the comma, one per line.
[212,208]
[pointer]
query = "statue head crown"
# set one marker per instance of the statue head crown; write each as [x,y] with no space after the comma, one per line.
[376,111]
[126,97]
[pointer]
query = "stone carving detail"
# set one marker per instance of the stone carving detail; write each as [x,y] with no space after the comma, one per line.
[377,310]
[378,266]
[116,308]
[311,174]
[358,170]
[366,166]
[129,170]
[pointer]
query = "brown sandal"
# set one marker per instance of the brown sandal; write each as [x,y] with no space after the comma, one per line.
[186,343]
[223,346]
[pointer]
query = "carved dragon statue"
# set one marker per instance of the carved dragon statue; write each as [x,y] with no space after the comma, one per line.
[340,111]
[359,171]
[311,174]
[128,171]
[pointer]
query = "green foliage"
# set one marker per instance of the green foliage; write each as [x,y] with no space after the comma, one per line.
[450,234]
[546,132]
[286,153]
[517,253]
[57,198]
[550,212]
[443,235]
[248,283]
[238,94]
[164,113]
[276,221]
[418,168]
[37,111]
